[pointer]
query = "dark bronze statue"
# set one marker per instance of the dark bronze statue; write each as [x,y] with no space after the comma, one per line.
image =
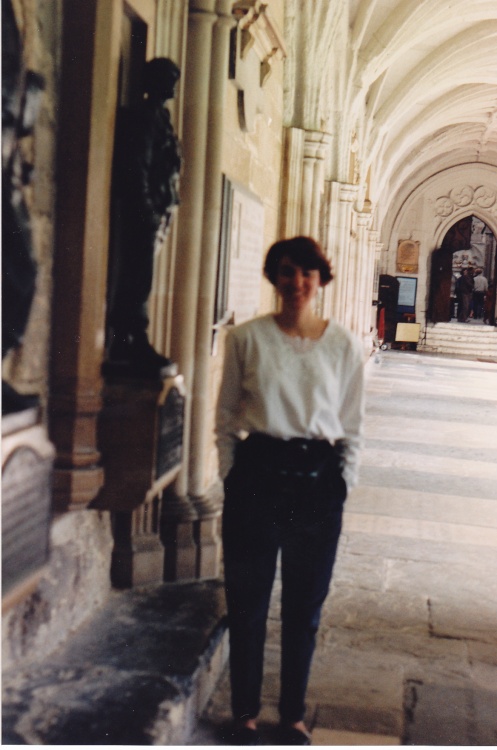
[21,94]
[145,192]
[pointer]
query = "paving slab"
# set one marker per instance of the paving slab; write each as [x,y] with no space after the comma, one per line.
[428,506]
[332,737]
[447,715]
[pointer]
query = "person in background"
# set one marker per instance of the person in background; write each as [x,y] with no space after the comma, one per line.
[489,311]
[479,292]
[464,289]
[288,430]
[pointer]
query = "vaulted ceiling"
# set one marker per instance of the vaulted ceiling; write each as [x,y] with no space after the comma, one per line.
[412,82]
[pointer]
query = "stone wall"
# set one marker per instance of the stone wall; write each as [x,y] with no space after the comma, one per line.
[74,584]
[39,23]
[77,578]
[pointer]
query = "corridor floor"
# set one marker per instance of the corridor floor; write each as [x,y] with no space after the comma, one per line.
[407,648]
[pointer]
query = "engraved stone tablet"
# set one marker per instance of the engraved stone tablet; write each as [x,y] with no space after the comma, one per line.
[26,482]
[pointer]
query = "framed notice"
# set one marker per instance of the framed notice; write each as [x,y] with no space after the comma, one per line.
[408,256]
[240,255]
[407,294]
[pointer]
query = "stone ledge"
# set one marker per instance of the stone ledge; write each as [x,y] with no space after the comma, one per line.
[139,672]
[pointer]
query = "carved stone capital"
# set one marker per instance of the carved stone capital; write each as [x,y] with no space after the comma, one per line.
[364,219]
[316,144]
[348,193]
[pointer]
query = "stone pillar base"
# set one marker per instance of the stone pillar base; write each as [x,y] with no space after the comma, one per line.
[189,532]
[141,437]
[209,547]
[177,524]
[138,554]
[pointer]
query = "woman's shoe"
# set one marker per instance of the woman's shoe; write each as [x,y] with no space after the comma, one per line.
[293,736]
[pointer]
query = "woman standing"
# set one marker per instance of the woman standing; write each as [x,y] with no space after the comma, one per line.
[288,434]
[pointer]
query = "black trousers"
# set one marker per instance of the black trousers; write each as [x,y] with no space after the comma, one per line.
[267,511]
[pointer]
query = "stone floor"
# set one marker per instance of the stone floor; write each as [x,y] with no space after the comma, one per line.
[407,649]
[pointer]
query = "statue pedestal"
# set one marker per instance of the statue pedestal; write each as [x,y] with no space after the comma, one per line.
[27,464]
[140,436]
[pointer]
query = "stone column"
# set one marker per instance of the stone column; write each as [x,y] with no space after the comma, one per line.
[292,182]
[307,181]
[358,274]
[178,512]
[195,117]
[85,143]
[316,145]
[330,231]
[345,196]
[209,512]
[369,284]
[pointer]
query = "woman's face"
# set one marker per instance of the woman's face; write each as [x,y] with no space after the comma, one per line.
[296,286]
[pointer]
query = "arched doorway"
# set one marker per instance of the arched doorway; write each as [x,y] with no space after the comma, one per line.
[469,243]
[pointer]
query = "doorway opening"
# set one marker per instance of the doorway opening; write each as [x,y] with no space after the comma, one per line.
[468,244]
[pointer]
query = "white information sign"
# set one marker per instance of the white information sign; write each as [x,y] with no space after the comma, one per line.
[246,246]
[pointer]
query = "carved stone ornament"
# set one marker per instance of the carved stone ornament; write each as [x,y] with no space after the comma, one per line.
[466,197]
[444,206]
[484,197]
[462,196]
[257,41]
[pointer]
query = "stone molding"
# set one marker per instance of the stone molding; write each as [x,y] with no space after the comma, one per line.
[348,193]
[364,219]
[316,144]
[260,32]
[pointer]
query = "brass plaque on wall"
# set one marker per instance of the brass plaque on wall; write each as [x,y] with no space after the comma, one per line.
[408,256]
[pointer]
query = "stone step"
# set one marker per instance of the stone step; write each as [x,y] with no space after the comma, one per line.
[474,327]
[140,672]
[480,345]
[463,353]
[491,343]
[465,339]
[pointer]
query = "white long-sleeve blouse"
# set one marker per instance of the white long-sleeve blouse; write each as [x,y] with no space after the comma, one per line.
[291,387]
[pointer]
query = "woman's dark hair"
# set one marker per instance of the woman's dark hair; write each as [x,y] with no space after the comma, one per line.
[304,252]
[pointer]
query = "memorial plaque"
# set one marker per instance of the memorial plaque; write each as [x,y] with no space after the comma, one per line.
[241,254]
[407,256]
[26,499]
